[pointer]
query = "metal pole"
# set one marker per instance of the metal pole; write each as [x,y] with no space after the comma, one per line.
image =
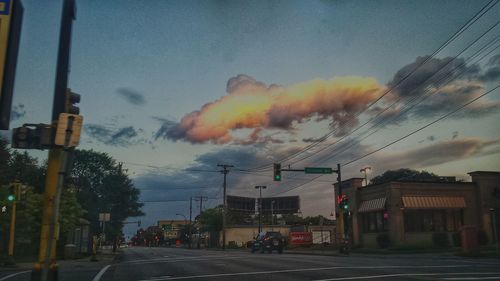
[272,215]
[13,221]
[225,171]
[190,221]
[199,233]
[493,214]
[260,209]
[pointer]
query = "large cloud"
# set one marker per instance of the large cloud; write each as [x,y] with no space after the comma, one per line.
[251,104]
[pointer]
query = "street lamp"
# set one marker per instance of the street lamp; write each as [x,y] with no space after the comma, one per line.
[365,170]
[260,187]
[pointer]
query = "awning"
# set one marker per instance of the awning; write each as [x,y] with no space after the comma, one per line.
[372,205]
[433,202]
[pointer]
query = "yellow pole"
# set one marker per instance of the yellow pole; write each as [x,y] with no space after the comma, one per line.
[50,226]
[13,221]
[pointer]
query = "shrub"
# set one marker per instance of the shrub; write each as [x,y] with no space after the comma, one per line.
[457,239]
[440,239]
[482,238]
[383,240]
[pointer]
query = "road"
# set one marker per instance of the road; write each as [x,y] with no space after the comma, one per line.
[157,264]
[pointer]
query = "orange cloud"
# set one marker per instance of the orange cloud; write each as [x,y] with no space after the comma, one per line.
[250,104]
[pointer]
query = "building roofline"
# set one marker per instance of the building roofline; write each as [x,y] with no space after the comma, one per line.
[484,172]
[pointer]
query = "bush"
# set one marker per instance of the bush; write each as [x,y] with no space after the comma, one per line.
[383,240]
[482,238]
[457,239]
[440,239]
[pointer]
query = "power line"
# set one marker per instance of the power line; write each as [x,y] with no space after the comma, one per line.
[398,140]
[421,128]
[407,106]
[462,29]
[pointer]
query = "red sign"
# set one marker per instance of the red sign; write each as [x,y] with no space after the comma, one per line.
[301,238]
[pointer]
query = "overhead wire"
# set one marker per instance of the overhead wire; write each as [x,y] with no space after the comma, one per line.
[462,29]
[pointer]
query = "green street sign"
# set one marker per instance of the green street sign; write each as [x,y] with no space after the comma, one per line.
[317,170]
[166,227]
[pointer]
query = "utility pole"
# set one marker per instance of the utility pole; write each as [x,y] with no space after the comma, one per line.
[365,171]
[12,230]
[260,187]
[46,269]
[190,221]
[225,171]
[201,198]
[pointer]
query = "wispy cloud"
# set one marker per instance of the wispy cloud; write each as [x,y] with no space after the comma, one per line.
[124,136]
[17,112]
[132,96]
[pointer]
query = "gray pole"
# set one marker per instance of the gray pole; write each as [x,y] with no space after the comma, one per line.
[190,221]
[493,218]
[224,211]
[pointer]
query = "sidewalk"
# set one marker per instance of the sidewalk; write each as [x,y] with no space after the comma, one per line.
[105,256]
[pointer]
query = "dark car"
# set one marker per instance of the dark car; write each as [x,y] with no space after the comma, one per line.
[268,241]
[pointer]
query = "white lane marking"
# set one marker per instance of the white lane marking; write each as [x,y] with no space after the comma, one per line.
[181,260]
[101,273]
[413,274]
[300,270]
[185,258]
[474,278]
[14,274]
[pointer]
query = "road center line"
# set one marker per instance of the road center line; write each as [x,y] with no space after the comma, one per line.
[298,270]
[101,273]
[474,278]
[14,274]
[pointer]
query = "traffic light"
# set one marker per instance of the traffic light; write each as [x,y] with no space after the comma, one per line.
[346,203]
[12,193]
[32,136]
[70,100]
[277,172]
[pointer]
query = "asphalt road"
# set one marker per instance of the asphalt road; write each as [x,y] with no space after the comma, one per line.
[156,264]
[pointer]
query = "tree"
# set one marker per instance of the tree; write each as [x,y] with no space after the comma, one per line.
[404,175]
[211,219]
[102,187]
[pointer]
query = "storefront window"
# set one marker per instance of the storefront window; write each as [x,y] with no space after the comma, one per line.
[432,220]
[374,222]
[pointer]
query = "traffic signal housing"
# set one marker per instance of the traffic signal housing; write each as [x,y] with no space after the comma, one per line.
[69,103]
[277,172]
[11,196]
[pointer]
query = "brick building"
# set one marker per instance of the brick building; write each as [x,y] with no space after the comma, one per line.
[411,211]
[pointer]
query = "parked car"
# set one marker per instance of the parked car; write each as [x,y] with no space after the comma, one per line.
[268,241]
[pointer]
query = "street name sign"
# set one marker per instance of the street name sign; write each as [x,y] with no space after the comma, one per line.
[318,170]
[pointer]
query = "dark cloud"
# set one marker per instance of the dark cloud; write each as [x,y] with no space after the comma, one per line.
[167,129]
[446,83]
[132,96]
[312,139]
[124,136]
[441,152]
[17,112]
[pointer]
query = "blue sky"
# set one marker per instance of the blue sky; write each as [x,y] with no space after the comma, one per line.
[141,65]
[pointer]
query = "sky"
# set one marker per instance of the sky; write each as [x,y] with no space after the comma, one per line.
[173,88]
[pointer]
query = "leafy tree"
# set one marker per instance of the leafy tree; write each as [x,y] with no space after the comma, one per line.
[404,175]
[102,187]
[211,219]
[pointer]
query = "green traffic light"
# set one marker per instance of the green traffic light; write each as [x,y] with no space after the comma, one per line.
[277,177]
[11,197]
[346,207]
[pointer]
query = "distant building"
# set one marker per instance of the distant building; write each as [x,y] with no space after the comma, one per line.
[171,228]
[410,212]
